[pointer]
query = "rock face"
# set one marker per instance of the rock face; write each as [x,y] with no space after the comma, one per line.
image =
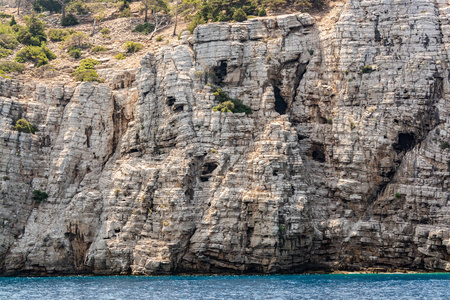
[343,164]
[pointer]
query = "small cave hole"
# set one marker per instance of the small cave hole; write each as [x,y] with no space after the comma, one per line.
[301,137]
[207,169]
[221,71]
[405,142]
[280,104]
[275,172]
[133,150]
[170,101]
[318,152]
[178,108]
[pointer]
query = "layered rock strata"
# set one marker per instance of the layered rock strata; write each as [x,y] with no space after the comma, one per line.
[342,165]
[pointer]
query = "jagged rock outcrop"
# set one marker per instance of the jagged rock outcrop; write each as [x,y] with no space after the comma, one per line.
[343,164]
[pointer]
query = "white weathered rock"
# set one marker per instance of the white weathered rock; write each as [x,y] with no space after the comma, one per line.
[341,165]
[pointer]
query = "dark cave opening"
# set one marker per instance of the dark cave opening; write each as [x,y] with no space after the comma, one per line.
[170,100]
[220,72]
[318,152]
[207,169]
[280,104]
[405,142]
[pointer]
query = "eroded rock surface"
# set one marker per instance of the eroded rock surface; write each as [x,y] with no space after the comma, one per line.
[343,164]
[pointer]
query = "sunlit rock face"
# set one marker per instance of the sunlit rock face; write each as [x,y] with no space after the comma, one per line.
[343,163]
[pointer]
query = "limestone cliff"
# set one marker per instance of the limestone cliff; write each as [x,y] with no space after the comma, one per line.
[343,164]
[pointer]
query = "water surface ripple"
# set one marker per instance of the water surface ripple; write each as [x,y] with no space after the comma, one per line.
[336,286]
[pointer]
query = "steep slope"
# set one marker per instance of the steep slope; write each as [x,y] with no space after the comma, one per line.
[342,165]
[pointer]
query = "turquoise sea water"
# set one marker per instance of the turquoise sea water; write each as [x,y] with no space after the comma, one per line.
[336,286]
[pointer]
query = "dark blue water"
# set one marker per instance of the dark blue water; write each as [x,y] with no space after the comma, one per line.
[354,286]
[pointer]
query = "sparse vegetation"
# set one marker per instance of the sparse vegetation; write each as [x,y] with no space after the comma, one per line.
[98,48]
[228,104]
[133,47]
[445,145]
[5,178]
[58,35]
[23,125]
[398,195]
[159,38]
[352,125]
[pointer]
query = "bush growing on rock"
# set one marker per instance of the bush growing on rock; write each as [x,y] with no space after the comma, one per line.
[5,52]
[145,28]
[8,41]
[58,35]
[239,15]
[74,52]
[228,104]
[98,48]
[120,56]
[86,70]
[33,33]
[39,196]
[69,20]
[23,125]
[46,5]
[11,67]
[133,47]
[39,55]
[77,39]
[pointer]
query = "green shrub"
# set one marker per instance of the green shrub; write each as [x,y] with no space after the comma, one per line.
[239,15]
[145,28]
[69,20]
[6,29]
[133,47]
[39,55]
[5,52]
[159,38]
[398,195]
[3,75]
[198,20]
[86,71]
[5,178]
[262,12]
[58,35]
[367,69]
[445,145]
[228,104]
[74,52]
[98,49]
[8,41]
[39,196]
[105,31]
[125,13]
[78,7]
[120,56]
[33,33]
[46,5]
[77,39]
[11,67]
[86,75]
[23,125]
[12,22]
